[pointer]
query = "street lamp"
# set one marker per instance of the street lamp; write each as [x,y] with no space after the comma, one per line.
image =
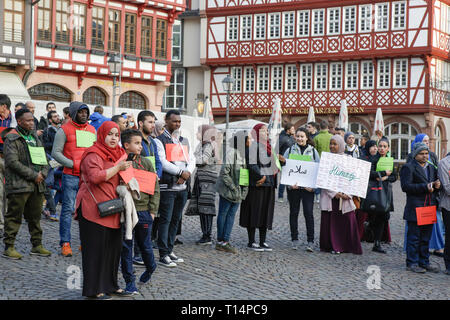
[114,64]
[228,85]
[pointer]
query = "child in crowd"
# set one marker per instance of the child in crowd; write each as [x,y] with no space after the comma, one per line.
[147,208]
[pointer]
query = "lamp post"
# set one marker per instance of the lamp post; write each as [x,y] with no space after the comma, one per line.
[114,64]
[228,84]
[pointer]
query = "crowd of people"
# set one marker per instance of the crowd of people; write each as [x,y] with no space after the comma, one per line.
[83,160]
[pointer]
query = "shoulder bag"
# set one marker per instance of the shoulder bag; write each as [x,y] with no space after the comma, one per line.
[109,207]
[376,199]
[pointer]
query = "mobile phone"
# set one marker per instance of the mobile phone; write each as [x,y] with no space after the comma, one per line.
[130,157]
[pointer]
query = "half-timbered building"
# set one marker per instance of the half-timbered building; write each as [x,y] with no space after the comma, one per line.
[370,53]
[74,40]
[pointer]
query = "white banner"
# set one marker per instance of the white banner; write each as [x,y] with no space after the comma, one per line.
[300,173]
[343,173]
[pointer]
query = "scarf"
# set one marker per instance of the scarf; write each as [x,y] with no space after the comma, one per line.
[255,135]
[340,141]
[101,148]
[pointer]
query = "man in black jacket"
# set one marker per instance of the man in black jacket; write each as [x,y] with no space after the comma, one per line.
[420,183]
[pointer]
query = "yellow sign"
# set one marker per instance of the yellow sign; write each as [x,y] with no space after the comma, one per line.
[318,110]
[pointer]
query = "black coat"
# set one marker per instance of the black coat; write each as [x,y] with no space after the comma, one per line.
[285,141]
[414,183]
[260,164]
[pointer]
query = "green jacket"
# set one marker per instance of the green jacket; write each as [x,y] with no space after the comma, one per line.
[147,202]
[228,183]
[322,141]
[20,172]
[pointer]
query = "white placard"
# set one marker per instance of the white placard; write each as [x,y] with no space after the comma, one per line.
[343,173]
[302,173]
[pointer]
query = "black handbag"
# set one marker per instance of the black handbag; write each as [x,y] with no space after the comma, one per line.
[109,207]
[376,198]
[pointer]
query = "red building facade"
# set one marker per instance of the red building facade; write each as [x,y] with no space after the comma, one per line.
[388,54]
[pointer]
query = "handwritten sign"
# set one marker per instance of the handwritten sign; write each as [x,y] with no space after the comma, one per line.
[128,174]
[153,161]
[146,180]
[385,164]
[85,139]
[301,157]
[300,173]
[342,173]
[175,153]
[244,178]
[37,155]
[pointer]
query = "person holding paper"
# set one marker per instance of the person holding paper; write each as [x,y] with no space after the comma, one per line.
[232,187]
[147,209]
[338,225]
[203,201]
[420,182]
[304,150]
[26,168]
[100,237]
[71,141]
[178,163]
[258,207]
[444,205]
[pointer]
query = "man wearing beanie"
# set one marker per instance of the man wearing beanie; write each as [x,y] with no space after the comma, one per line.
[70,142]
[420,183]
[350,147]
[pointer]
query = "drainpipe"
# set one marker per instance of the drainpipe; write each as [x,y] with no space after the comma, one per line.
[30,71]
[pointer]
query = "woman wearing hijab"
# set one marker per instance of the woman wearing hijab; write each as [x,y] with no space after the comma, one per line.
[338,225]
[350,147]
[203,201]
[257,209]
[101,237]
[437,241]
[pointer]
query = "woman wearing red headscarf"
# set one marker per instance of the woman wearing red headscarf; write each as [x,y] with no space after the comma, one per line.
[101,238]
[257,209]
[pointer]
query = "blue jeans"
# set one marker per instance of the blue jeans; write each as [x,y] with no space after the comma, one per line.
[141,237]
[418,238]
[281,188]
[225,219]
[171,207]
[70,190]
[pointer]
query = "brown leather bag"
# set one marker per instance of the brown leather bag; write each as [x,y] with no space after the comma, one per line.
[357,202]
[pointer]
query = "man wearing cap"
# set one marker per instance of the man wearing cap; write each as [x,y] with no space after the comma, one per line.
[70,142]
[420,182]
[350,147]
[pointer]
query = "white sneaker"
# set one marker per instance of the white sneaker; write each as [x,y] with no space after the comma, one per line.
[266,247]
[174,258]
[280,200]
[167,262]
[255,247]
[295,244]
[310,247]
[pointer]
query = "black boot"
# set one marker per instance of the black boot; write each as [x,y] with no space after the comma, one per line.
[377,247]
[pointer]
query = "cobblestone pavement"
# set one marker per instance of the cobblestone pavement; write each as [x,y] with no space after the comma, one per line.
[283,274]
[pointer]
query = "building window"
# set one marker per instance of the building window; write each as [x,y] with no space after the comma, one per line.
[306,77]
[401,135]
[14,25]
[98,15]
[277,78]
[260,27]
[291,78]
[398,15]
[263,79]
[161,39]
[384,74]
[174,94]
[146,36]
[382,14]
[176,41]
[303,23]
[233,27]
[321,76]
[336,76]
[62,18]
[130,33]
[288,24]
[249,74]
[132,100]
[400,73]
[333,20]
[349,20]
[114,30]
[365,18]
[94,95]
[79,24]
[318,22]
[366,75]
[358,129]
[438,142]
[274,25]
[45,15]
[351,75]
[49,91]
[246,28]
[236,73]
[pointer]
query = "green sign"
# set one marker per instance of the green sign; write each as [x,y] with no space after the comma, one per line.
[85,139]
[300,157]
[153,161]
[385,164]
[38,156]
[244,178]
